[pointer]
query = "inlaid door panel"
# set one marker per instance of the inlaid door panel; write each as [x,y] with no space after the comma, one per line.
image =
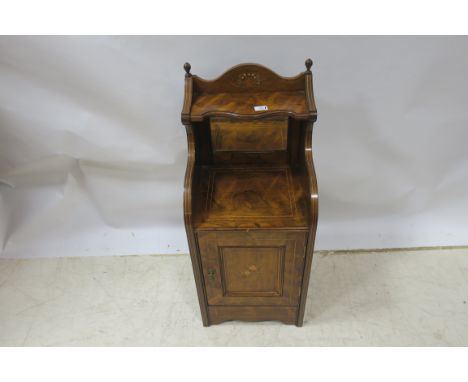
[252,268]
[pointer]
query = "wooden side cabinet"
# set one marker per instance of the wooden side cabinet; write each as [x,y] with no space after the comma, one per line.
[250,193]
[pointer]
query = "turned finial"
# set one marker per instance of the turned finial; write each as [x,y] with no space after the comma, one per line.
[187,68]
[308,64]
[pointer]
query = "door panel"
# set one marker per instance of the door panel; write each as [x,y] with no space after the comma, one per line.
[252,268]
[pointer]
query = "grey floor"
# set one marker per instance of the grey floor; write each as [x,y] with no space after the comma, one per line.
[413,298]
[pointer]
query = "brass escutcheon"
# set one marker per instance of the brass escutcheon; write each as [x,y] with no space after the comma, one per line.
[211,274]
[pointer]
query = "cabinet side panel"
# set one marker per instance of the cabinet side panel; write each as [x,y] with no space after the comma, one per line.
[313,210]
[192,242]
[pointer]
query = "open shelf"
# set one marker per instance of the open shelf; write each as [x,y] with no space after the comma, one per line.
[250,197]
[291,103]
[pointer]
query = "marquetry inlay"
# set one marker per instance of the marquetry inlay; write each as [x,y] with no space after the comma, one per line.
[252,271]
[245,192]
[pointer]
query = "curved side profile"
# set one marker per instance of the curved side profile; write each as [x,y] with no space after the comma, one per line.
[313,210]
[188,189]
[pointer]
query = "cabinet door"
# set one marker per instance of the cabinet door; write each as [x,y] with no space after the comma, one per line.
[252,268]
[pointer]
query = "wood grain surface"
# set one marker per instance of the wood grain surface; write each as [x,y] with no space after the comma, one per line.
[250,196]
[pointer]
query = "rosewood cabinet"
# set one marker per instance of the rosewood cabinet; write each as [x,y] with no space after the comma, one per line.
[250,197]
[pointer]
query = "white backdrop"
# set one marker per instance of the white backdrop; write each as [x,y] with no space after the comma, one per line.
[92,151]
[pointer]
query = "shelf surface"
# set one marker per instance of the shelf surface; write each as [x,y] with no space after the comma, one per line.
[292,103]
[250,197]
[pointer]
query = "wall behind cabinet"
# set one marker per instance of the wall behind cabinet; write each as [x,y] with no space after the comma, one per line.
[92,152]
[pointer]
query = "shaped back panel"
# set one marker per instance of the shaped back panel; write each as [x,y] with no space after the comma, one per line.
[248,78]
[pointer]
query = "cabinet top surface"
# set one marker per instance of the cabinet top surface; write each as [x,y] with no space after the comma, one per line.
[249,91]
[247,104]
